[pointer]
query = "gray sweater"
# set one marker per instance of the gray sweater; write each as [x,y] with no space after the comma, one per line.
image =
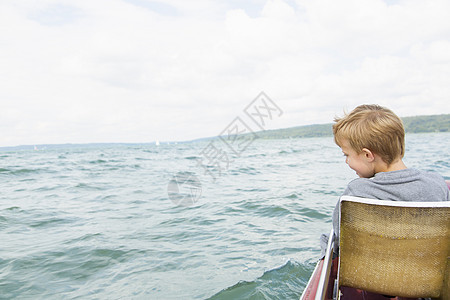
[402,185]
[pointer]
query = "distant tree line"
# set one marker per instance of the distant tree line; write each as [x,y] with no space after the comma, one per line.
[434,123]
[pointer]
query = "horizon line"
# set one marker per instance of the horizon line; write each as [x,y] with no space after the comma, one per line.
[174,141]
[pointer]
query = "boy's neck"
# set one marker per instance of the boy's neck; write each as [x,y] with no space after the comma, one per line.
[395,166]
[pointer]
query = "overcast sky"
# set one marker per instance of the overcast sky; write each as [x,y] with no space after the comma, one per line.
[171,70]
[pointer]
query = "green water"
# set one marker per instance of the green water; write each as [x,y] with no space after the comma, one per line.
[96,222]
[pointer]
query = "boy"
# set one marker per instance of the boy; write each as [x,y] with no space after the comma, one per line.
[372,139]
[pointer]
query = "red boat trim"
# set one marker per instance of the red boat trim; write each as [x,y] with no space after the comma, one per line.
[311,288]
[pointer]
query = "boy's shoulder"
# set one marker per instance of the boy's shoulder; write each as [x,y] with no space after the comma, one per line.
[407,184]
[407,176]
[400,176]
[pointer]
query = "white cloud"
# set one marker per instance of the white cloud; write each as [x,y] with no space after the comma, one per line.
[140,70]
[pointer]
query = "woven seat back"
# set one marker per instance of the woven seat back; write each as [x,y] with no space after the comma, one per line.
[395,250]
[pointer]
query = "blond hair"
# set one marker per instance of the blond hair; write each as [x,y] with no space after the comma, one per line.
[372,127]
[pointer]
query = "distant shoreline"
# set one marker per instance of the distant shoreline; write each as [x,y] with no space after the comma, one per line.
[415,124]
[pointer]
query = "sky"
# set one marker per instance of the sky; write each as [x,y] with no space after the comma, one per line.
[140,70]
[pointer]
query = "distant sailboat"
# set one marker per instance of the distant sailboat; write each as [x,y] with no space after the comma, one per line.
[157,143]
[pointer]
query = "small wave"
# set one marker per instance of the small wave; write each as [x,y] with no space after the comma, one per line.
[191,157]
[230,210]
[298,150]
[50,222]
[266,210]
[252,190]
[149,151]
[78,263]
[25,171]
[13,208]
[47,188]
[309,213]
[257,155]
[440,165]
[84,238]
[142,158]
[140,192]
[293,165]
[293,196]
[26,180]
[86,186]
[115,167]
[174,221]
[246,170]
[98,161]
[285,282]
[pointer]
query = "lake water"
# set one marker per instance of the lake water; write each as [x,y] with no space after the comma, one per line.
[96,222]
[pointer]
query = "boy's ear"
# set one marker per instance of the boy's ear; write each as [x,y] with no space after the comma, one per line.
[369,155]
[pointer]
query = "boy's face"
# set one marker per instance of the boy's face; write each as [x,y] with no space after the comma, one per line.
[359,162]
